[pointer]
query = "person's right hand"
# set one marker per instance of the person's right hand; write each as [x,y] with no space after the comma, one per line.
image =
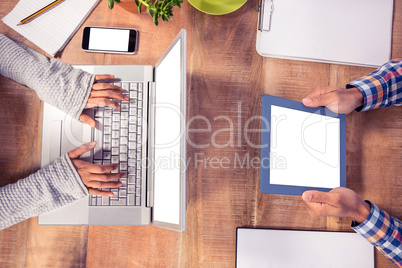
[339,202]
[95,176]
[339,100]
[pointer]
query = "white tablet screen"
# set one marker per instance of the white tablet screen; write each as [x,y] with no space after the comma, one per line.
[308,146]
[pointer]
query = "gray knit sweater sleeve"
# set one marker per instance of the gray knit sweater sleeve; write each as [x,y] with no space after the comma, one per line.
[55,82]
[66,88]
[49,188]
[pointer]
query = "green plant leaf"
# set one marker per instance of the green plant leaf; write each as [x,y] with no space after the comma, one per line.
[139,8]
[117,1]
[158,8]
[111,4]
[177,3]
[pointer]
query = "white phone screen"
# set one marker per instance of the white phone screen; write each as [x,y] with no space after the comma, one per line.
[109,39]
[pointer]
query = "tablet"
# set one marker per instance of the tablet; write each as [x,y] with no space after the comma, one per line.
[302,148]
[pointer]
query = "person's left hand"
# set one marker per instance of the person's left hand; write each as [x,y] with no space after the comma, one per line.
[339,202]
[102,94]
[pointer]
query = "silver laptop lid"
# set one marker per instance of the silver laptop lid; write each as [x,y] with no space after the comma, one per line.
[167,129]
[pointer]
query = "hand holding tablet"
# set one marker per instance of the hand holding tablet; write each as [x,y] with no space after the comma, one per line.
[339,202]
[310,144]
[338,100]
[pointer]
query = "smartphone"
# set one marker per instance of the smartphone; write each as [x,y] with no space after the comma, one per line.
[110,40]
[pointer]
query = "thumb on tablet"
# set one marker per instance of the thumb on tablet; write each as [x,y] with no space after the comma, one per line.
[315,196]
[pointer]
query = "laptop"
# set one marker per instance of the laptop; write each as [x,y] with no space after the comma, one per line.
[146,137]
[296,248]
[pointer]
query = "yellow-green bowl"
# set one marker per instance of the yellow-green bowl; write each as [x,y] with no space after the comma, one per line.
[217,7]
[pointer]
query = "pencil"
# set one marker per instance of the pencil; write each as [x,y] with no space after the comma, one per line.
[37,13]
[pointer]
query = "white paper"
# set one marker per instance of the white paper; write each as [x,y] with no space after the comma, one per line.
[51,30]
[308,146]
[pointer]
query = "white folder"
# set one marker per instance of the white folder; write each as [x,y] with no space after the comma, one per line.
[294,248]
[352,32]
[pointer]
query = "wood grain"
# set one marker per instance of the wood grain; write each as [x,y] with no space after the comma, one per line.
[226,79]
[224,94]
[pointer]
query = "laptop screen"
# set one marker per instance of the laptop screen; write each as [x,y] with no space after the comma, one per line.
[169,135]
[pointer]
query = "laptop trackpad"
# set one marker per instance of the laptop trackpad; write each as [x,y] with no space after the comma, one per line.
[75,213]
[125,215]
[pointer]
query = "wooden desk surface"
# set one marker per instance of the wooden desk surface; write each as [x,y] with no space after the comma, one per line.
[226,78]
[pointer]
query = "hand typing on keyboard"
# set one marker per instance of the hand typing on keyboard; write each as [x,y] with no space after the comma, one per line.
[102,94]
[119,136]
[95,176]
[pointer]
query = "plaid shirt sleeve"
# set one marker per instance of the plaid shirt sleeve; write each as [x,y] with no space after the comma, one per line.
[384,232]
[381,88]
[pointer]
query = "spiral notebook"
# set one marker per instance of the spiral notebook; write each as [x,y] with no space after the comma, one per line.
[52,30]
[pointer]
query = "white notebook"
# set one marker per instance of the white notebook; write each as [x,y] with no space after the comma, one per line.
[353,32]
[52,30]
[293,248]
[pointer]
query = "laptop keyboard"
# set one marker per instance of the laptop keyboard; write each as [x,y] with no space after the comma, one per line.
[119,140]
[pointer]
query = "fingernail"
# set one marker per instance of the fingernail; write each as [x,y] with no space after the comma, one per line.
[123,175]
[89,144]
[307,196]
[126,97]
[93,124]
[307,100]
